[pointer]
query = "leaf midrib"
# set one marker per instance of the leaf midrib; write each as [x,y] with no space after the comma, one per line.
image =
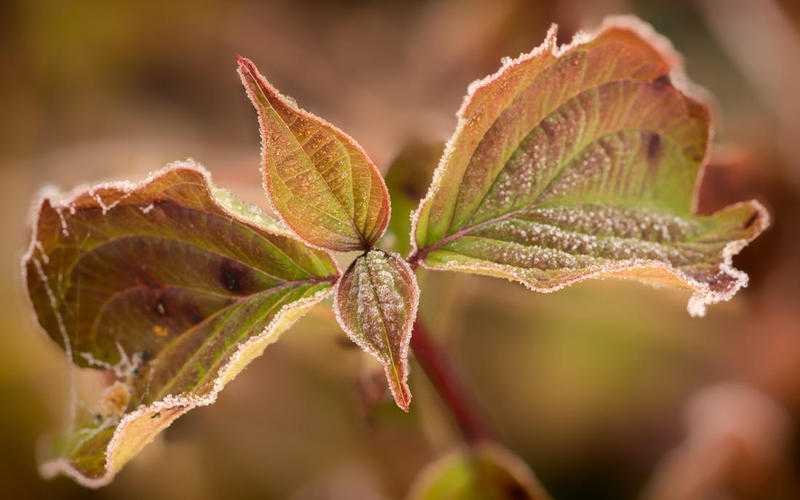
[385,329]
[698,255]
[424,251]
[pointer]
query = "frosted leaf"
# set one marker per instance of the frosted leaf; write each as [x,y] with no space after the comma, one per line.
[318,179]
[376,304]
[582,161]
[169,293]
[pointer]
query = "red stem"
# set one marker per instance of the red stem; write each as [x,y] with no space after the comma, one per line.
[441,374]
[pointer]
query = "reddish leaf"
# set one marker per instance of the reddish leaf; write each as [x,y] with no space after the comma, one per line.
[319,180]
[376,304]
[170,288]
[582,161]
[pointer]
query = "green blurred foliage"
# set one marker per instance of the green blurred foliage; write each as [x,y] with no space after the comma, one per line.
[486,472]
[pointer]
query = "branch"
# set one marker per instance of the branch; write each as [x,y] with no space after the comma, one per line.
[441,374]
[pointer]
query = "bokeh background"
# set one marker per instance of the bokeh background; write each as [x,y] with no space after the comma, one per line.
[606,390]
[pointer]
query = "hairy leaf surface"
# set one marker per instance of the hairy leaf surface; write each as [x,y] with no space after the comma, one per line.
[580,161]
[376,304]
[485,472]
[169,292]
[319,180]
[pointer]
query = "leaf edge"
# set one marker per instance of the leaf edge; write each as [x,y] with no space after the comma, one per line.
[254,346]
[244,62]
[246,352]
[702,296]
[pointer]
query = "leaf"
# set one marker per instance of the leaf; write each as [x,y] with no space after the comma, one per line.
[485,472]
[376,304]
[407,179]
[319,180]
[581,161]
[169,292]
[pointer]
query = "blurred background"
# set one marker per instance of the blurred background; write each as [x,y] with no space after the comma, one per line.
[606,390]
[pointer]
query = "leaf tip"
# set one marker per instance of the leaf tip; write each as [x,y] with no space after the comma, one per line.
[243,63]
[250,77]
[397,375]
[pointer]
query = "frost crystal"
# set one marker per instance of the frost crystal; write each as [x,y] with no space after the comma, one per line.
[581,161]
[376,304]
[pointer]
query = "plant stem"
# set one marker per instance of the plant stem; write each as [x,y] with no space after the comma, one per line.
[441,374]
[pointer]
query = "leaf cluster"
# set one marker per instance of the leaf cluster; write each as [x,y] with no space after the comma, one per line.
[568,163]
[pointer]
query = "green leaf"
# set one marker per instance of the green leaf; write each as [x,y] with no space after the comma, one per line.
[582,161]
[319,180]
[376,304]
[485,472]
[167,290]
[407,178]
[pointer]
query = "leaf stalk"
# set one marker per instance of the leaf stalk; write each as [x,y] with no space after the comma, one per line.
[448,385]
